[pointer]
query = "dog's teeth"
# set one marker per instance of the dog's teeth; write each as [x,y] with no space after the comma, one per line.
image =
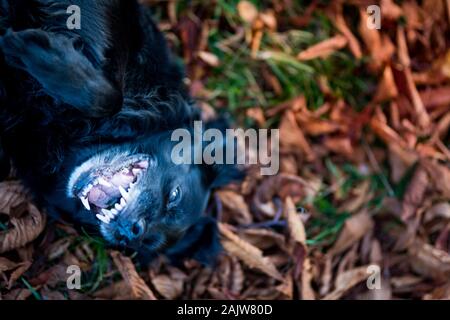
[123,193]
[125,170]
[103,218]
[136,171]
[107,213]
[118,207]
[123,203]
[103,182]
[95,182]
[114,211]
[89,187]
[85,202]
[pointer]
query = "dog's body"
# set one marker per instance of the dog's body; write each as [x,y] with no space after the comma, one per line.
[87,114]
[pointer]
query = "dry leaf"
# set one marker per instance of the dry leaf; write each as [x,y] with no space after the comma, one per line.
[346,281]
[296,227]
[236,203]
[247,11]
[293,136]
[440,175]
[354,229]
[210,58]
[429,261]
[12,194]
[248,253]
[138,287]
[168,287]
[323,49]
[414,194]
[24,229]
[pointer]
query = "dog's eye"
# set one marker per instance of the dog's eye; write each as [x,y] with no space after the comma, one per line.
[174,195]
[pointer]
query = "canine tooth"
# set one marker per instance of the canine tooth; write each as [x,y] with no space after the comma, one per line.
[118,207]
[102,218]
[103,182]
[123,203]
[123,193]
[85,202]
[114,211]
[107,213]
[95,182]
[136,171]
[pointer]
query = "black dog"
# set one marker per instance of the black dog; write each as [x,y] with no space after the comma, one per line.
[86,117]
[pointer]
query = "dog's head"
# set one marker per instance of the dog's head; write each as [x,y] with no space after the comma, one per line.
[138,196]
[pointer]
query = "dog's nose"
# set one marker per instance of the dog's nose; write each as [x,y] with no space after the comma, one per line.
[130,232]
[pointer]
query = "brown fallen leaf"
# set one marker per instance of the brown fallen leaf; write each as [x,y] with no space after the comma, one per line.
[295,224]
[387,88]
[17,294]
[168,287]
[237,277]
[6,264]
[12,194]
[379,46]
[441,209]
[390,10]
[341,25]
[25,228]
[429,261]
[263,238]
[347,280]
[414,194]
[423,118]
[439,174]
[236,203]
[324,48]
[360,196]
[298,235]
[249,254]
[282,185]
[18,272]
[293,136]
[354,229]
[435,97]
[119,290]
[247,11]
[316,127]
[209,58]
[138,287]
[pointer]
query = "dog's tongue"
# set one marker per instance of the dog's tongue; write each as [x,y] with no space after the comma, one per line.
[102,196]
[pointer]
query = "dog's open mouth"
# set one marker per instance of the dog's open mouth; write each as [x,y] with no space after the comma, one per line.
[109,188]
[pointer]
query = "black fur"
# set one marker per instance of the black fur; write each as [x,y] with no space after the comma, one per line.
[112,86]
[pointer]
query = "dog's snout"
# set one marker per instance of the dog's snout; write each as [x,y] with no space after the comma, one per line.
[130,232]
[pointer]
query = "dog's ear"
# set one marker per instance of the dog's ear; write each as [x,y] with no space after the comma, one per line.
[64,72]
[220,174]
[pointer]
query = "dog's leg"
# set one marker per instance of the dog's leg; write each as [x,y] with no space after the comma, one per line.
[201,242]
[63,71]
